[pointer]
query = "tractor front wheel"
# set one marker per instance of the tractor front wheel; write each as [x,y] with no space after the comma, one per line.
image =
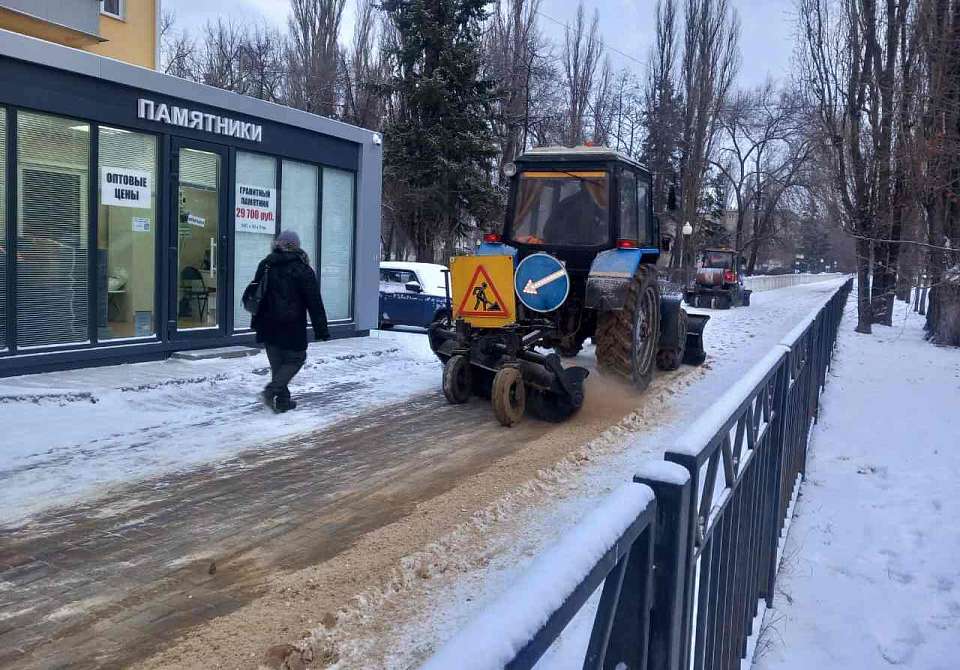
[627,339]
[509,396]
[456,380]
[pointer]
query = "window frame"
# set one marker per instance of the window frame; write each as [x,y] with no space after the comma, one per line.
[159,241]
[121,9]
[634,232]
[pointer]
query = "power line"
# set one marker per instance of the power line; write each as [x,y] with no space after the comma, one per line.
[568,29]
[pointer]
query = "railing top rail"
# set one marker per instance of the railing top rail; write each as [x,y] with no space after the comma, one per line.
[515,629]
[706,433]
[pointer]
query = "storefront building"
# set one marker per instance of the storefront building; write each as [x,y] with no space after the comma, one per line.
[134,208]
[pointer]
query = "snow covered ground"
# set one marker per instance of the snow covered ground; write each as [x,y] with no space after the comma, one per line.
[71,435]
[870,576]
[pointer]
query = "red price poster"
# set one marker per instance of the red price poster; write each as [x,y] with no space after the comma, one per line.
[256,209]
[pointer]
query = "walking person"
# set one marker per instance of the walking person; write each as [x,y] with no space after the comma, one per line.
[291,291]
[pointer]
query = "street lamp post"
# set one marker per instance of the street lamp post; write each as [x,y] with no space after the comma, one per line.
[686,232]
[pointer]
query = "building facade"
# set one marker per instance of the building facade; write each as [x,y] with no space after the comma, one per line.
[126,30]
[134,208]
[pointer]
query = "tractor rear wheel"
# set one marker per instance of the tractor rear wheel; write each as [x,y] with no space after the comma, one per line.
[509,396]
[456,380]
[627,339]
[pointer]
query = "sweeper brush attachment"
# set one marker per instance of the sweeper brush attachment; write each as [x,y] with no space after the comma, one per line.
[502,364]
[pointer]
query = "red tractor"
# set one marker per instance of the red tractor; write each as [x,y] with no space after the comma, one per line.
[719,281]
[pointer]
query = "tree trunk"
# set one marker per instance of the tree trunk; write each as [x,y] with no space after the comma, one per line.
[864,311]
[946,330]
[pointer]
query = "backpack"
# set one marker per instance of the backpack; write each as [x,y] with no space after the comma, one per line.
[255,292]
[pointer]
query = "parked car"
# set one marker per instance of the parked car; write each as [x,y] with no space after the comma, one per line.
[412,294]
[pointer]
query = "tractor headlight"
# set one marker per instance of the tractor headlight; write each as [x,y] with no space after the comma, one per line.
[510,169]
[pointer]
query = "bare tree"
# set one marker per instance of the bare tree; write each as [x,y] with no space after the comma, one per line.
[582,51]
[178,50]
[313,56]
[849,69]
[221,53]
[365,69]
[663,116]
[710,61]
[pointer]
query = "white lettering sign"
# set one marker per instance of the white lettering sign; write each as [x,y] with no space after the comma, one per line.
[120,187]
[141,224]
[256,209]
[188,118]
[197,221]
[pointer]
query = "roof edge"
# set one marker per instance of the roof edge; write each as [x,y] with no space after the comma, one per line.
[48,54]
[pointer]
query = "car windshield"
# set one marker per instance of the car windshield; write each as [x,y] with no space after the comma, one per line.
[562,208]
[718,259]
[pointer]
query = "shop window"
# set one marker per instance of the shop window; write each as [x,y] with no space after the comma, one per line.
[127,232]
[3,229]
[298,202]
[255,224]
[336,244]
[52,219]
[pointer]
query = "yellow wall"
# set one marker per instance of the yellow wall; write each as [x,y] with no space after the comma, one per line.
[133,39]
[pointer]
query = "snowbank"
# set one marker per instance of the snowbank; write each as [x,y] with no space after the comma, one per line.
[503,628]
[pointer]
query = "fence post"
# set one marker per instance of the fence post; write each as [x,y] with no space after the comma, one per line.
[779,437]
[671,485]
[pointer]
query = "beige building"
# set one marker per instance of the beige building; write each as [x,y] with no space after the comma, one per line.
[126,30]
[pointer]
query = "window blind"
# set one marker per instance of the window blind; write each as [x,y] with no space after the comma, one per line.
[52,155]
[260,173]
[299,204]
[200,170]
[336,244]
[3,229]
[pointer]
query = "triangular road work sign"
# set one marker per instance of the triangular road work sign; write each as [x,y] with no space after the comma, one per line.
[482,299]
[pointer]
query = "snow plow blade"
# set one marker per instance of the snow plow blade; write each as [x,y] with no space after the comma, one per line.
[694,354]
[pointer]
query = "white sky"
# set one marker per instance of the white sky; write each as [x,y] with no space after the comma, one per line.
[766,37]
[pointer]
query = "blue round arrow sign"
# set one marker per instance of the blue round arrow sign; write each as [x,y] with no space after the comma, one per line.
[541,282]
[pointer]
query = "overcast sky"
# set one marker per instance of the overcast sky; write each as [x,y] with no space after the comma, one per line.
[766,37]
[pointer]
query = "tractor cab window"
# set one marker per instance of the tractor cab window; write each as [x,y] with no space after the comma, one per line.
[629,225]
[562,208]
[717,259]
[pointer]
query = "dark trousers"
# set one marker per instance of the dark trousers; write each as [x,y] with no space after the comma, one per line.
[284,366]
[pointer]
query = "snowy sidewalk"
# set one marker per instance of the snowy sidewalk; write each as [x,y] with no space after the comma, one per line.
[72,435]
[870,575]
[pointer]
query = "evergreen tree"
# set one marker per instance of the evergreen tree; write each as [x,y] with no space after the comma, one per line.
[439,143]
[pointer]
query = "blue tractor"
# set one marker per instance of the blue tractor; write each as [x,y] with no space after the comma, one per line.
[581,231]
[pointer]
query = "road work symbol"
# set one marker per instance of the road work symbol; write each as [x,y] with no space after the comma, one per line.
[481,290]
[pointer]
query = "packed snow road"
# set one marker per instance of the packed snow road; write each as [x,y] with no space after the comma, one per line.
[139,502]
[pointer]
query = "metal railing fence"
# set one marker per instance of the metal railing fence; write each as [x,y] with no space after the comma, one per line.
[682,587]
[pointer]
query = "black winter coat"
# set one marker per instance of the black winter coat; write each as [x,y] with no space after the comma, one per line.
[292,291]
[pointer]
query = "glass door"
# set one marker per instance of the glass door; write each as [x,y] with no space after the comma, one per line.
[198,186]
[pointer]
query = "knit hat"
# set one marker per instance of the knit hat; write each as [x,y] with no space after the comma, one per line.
[289,239]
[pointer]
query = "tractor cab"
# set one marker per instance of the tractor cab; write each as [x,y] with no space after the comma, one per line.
[574,203]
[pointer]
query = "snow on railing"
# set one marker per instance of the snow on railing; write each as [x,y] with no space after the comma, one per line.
[768,282]
[517,629]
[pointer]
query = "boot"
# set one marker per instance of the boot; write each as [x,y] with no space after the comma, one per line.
[285,404]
